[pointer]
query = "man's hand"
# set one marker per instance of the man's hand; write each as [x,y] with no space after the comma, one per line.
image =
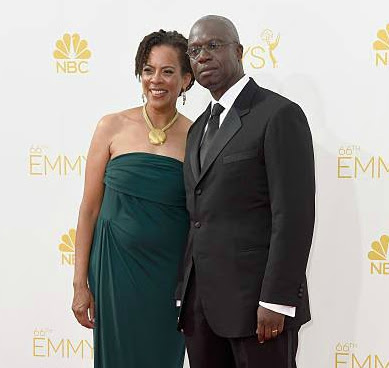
[269,324]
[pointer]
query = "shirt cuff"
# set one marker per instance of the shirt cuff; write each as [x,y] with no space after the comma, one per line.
[283,309]
[178,303]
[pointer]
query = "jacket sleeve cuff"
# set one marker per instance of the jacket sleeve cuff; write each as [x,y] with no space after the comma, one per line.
[283,309]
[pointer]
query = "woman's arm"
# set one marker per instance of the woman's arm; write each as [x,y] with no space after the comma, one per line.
[98,156]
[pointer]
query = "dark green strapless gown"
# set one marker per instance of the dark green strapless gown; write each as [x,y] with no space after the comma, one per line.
[138,241]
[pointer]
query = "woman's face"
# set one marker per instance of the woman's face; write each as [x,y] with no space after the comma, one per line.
[162,79]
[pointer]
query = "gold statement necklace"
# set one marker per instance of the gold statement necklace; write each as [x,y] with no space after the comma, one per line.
[157,136]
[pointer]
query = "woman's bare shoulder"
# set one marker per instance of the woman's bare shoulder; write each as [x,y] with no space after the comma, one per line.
[186,123]
[112,123]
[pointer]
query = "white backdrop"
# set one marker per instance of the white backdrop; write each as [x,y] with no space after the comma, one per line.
[323,57]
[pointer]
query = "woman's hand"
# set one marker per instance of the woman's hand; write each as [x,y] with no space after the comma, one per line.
[83,306]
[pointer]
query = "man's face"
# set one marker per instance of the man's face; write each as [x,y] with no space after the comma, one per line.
[218,65]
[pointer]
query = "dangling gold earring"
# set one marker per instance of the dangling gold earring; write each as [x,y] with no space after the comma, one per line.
[183,97]
[143,97]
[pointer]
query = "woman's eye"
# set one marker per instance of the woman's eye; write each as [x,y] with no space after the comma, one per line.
[168,71]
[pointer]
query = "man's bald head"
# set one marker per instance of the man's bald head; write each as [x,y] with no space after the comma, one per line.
[221,22]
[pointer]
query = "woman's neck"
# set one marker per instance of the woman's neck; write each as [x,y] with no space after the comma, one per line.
[160,117]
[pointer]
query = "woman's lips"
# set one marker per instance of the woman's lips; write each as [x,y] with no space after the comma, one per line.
[158,92]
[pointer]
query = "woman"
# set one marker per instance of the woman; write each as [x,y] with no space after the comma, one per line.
[132,224]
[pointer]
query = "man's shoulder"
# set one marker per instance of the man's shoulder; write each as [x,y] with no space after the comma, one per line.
[274,96]
[273,100]
[254,95]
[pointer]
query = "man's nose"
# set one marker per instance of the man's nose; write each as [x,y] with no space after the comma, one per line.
[203,56]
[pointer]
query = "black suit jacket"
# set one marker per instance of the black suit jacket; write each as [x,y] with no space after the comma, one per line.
[252,212]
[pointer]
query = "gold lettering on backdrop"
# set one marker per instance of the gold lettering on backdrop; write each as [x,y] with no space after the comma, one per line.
[339,359]
[75,350]
[364,169]
[260,54]
[35,160]
[358,365]
[72,67]
[381,59]
[379,364]
[376,268]
[68,259]
[83,67]
[379,268]
[48,347]
[341,173]
[381,163]
[61,67]
[60,345]
[255,53]
[36,352]
[76,164]
[91,350]
[345,357]
[57,161]
[343,351]
[41,164]
[351,165]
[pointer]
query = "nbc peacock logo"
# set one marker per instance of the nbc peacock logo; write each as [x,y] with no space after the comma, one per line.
[378,256]
[67,246]
[381,47]
[72,54]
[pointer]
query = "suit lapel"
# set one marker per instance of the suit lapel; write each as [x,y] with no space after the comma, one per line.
[194,143]
[230,125]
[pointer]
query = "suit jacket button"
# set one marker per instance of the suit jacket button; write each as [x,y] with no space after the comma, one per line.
[198,191]
[300,295]
[197,224]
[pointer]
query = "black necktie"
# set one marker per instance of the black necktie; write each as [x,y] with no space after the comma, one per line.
[213,127]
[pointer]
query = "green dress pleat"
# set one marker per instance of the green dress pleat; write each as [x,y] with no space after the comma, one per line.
[138,241]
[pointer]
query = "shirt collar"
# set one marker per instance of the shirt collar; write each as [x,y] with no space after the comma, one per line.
[229,97]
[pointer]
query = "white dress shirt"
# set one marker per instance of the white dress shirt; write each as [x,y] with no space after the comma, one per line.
[227,100]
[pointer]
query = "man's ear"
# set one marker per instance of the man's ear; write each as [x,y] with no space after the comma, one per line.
[239,50]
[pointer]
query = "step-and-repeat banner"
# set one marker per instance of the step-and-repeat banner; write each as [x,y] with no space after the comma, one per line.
[66,64]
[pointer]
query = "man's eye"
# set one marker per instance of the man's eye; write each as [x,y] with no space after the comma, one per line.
[194,50]
[213,45]
[169,71]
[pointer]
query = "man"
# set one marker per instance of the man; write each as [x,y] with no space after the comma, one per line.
[249,177]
